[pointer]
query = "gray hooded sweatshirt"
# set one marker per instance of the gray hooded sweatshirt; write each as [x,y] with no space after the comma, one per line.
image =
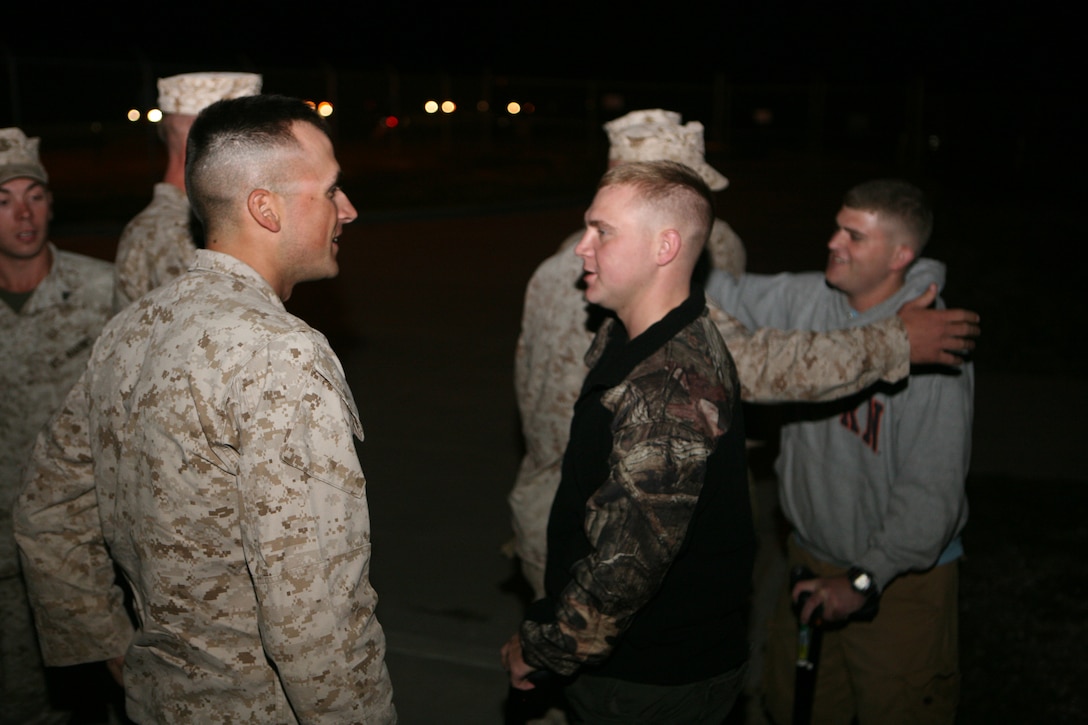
[875,480]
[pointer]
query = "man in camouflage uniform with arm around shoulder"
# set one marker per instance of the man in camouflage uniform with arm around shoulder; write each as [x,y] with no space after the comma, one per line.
[209,450]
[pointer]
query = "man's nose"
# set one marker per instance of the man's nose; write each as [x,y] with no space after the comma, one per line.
[583,247]
[347,212]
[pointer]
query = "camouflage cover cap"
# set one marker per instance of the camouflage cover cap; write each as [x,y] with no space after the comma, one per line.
[656,135]
[19,157]
[190,93]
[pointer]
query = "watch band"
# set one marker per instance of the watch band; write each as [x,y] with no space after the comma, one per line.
[861,581]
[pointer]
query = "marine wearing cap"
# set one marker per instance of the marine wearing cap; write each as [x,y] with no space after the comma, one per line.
[19,157]
[190,93]
[654,134]
[159,243]
[53,305]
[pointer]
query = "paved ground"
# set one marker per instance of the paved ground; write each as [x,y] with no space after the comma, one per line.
[425,316]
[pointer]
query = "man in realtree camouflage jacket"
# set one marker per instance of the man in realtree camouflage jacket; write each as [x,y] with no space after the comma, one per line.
[650,537]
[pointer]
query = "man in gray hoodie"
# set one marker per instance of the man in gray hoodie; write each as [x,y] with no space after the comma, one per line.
[873,485]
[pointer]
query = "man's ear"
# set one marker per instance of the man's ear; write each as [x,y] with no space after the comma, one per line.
[902,257]
[262,207]
[669,245]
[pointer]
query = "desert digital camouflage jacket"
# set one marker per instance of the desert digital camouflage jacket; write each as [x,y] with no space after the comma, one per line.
[155,246]
[44,350]
[209,448]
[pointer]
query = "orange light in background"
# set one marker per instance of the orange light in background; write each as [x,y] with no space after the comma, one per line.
[154,115]
[430,107]
[513,108]
[324,108]
[448,106]
[391,122]
[133,114]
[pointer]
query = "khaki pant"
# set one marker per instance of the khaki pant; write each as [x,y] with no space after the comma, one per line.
[903,667]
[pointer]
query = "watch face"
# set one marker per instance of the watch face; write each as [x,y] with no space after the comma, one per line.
[862,582]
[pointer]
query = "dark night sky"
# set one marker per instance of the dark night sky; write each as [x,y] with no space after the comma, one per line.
[758,40]
[1010,69]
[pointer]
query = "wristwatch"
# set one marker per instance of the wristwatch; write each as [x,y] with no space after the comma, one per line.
[861,581]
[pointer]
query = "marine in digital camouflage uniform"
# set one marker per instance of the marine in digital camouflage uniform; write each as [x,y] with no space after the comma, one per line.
[54,305]
[155,246]
[209,450]
[158,244]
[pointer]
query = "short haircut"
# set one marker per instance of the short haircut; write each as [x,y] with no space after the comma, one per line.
[895,199]
[227,144]
[670,185]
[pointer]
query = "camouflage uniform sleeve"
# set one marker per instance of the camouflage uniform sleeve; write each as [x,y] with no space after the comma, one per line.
[132,276]
[155,246]
[549,366]
[779,365]
[726,250]
[636,523]
[553,338]
[306,534]
[78,608]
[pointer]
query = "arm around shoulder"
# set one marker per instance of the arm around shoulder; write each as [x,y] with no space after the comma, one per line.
[938,336]
[798,365]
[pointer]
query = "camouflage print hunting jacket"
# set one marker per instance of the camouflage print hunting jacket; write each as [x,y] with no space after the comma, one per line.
[650,537]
